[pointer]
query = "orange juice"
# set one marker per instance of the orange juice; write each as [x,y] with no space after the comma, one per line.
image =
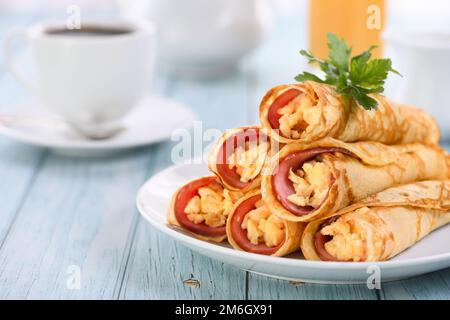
[359,22]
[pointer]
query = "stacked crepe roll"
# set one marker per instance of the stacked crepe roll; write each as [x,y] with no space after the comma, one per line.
[322,175]
[380,226]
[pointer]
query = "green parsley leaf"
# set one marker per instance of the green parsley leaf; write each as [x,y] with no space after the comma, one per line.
[306,76]
[361,96]
[370,74]
[339,52]
[355,77]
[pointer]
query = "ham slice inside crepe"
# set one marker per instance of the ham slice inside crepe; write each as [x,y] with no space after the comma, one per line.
[255,229]
[241,157]
[202,206]
[287,190]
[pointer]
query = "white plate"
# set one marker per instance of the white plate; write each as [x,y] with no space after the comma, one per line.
[153,120]
[430,254]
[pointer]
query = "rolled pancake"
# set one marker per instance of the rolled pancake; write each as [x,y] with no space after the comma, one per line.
[237,158]
[304,182]
[381,226]
[202,207]
[310,111]
[252,228]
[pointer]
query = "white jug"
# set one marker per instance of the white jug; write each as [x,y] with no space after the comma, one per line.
[205,37]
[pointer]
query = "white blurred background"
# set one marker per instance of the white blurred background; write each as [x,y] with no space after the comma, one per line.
[209,37]
[402,14]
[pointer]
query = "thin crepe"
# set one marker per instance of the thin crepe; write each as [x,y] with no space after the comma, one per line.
[366,168]
[225,147]
[292,236]
[383,225]
[197,229]
[333,115]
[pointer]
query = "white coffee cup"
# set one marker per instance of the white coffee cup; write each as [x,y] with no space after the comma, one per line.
[90,76]
[423,60]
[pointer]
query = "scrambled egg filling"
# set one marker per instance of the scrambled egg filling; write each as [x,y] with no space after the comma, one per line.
[346,244]
[248,160]
[299,115]
[310,184]
[211,206]
[263,226]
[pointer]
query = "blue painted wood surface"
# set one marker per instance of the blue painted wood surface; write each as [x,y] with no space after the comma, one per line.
[58,212]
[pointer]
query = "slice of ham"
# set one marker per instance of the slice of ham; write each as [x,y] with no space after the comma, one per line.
[273,114]
[283,187]
[319,244]
[239,139]
[240,234]
[320,240]
[184,195]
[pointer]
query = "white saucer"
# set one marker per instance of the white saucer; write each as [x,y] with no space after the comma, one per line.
[153,120]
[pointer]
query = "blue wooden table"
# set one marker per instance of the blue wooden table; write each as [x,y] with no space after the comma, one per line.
[64,217]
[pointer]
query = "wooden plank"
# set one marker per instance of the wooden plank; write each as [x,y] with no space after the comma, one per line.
[18,168]
[79,212]
[158,267]
[260,287]
[19,163]
[433,286]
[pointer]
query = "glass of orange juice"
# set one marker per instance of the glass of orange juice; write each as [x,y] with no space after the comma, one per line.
[359,22]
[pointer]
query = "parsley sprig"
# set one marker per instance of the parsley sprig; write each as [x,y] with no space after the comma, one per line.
[354,77]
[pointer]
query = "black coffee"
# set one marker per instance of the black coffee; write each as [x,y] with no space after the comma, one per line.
[89,31]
